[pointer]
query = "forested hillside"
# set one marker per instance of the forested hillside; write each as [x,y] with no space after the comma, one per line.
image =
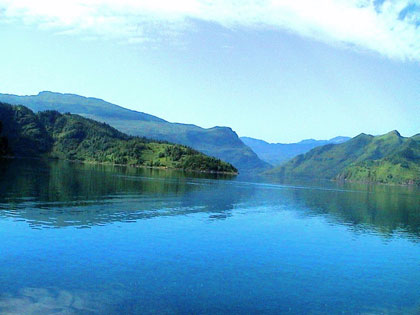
[73,137]
[388,158]
[220,142]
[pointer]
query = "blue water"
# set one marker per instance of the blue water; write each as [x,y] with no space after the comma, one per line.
[83,239]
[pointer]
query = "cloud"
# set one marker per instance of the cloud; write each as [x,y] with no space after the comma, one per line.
[389,27]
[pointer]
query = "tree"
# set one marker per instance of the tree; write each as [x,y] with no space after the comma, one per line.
[3,142]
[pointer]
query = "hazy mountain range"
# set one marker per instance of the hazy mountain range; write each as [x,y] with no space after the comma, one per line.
[277,153]
[220,142]
[388,158]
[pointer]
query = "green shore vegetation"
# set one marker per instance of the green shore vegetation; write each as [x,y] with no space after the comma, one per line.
[51,134]
[387,159]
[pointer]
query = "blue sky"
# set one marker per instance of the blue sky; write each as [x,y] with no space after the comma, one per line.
[281,70]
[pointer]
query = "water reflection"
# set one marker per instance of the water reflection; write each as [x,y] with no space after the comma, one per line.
[386,209]
[53,181]
[52,300]
[59,194]
[118,300]
[200,245]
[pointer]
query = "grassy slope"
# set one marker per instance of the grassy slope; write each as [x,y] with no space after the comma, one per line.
[389,158]
[402,167]
[220,142]
[73,137]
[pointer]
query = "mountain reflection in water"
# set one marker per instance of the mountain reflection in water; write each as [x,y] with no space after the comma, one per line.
[58,194]
[95,239]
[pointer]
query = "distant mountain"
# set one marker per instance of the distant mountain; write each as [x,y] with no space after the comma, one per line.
[277,153]
[388,158]
[220,142]
[72,137]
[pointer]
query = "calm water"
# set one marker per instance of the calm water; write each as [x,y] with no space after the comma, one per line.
[83,239]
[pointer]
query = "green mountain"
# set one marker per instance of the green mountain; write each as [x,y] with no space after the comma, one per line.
[277,153]
[220,142]
[389,158]
[73,137]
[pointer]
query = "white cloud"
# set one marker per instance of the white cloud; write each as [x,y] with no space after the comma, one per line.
[375,25]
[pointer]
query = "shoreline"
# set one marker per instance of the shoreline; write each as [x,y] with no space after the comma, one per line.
[345,181]
[165,168]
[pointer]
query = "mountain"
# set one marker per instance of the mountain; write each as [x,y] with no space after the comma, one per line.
[277,153]
[388,158]
[220,142]
[72,137]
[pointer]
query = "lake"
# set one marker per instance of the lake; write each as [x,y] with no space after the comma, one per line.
[88,239]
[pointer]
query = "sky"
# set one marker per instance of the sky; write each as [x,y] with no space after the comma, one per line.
[279,70]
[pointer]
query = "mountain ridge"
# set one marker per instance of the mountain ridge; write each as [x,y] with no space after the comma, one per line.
[389,158]
[220,142]
[277,153]
[73,137]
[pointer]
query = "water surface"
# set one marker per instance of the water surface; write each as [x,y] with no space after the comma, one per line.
[85,239]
